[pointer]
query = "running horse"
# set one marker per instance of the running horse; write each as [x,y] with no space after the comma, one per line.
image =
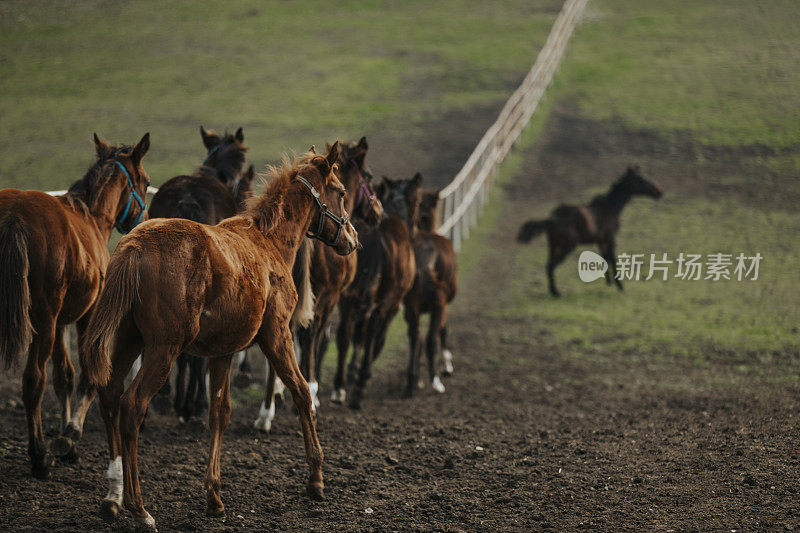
[175,286]
[570,225]
[330,275]
[53,258]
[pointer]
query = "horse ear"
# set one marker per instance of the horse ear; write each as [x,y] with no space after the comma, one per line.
[417,180]
[362,143]
[101,147]
[239,136]
[333,154]
[313,150]
[210,139]
[250,174]
[141,148]
[380,190]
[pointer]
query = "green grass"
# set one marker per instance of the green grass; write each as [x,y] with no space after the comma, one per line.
[717,73]
[292,73]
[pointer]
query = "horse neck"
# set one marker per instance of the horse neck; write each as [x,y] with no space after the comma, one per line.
[225,169]
[617,198]
[352,184]
[292,226]
[106,207]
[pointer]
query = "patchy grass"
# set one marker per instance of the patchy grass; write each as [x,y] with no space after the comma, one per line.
[293,74]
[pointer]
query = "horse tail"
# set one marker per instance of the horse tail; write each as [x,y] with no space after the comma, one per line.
[15,321]
[532,229]
[120,292]
[301,274]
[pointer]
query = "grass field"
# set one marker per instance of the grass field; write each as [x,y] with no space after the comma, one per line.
[293,74]
[713,86]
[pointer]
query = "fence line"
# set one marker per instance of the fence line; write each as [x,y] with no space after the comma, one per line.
[463,197]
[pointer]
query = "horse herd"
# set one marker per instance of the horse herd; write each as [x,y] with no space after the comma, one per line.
[213,271]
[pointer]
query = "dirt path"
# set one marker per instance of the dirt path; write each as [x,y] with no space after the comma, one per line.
[527,437]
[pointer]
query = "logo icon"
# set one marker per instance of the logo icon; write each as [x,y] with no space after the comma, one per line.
[591,266]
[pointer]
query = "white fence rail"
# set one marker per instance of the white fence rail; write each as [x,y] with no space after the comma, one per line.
[462,199]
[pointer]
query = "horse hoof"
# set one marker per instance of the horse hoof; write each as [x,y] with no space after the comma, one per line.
[316,492]
[448,362]
[146,523]
[215,512]
[242,380]
[109,510]
[262,424]
[64,448]
[338,396]
[41,469]
[355,398]
[437,385]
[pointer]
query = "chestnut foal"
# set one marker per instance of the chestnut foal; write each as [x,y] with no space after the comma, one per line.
[177,286]
[53,257]
[330,275]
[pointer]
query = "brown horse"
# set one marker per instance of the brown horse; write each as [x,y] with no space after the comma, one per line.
[175,286]
[53,258]
[386,272]
[434,288]
[598,222]
[330,273]
[218,189]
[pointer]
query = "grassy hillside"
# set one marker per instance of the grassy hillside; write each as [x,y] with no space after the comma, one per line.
[292,73]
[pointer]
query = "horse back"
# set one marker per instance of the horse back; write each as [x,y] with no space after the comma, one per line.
[578,220]
[399,266]
[199,198]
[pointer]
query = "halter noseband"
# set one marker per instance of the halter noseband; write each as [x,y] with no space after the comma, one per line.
[132,196]
[324,212]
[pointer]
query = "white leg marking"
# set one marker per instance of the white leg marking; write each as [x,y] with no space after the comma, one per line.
[280,388]
[437,385]
[240,357]
[114,476]
[137,365]
[313,389]
[338,395]
[447,355]
[265,416]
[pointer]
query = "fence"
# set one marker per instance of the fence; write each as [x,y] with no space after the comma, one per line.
[462,199]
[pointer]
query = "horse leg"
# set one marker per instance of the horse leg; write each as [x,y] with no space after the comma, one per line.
[612,263]
[34,379]
[359,332]
[438,316]
[447,355]
[198,371]
[162,402]
[127,346]
[63,381]
[412,321]
[244,378]
[375,337]
[557,254]
[279,350]
[180,384]
[156,363]
[322,346]
[219,414]
[307,363]
[343,335]
[317,342]
[65,445]
[266,414]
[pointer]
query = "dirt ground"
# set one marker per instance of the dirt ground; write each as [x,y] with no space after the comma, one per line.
[526,437]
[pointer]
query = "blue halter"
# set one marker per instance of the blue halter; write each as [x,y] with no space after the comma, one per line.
[133,195]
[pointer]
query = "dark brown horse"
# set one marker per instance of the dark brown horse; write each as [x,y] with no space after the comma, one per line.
[217,190]
[175,286]
[385,273]
[434,288]
[330,274]
[598,222]
[53,258]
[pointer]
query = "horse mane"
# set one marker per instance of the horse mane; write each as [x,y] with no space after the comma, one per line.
[267,209]
[617,189]
[83,194]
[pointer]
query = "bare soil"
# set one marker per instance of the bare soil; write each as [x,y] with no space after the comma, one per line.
[526,437]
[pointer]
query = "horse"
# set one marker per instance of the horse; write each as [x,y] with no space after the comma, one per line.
[598,222]
[386,272]
[330,275]
[434,288]
[175,285]
[218,189]
[53,258]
